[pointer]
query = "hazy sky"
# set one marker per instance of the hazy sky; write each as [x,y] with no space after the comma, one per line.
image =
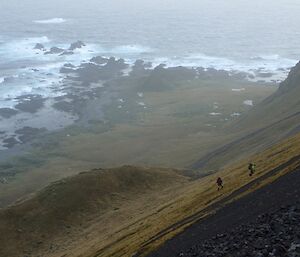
[220,10]
[223,6]
[220,22]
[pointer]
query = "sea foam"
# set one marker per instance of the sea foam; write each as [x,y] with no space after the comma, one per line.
[51,21]
[274,64]
[19,49]
[128,50]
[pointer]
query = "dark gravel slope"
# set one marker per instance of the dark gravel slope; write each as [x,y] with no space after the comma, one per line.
[263,223]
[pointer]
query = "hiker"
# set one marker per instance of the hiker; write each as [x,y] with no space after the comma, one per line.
[220,183]
[251,168]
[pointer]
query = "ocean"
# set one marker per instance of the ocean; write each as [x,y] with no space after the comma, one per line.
[234,35]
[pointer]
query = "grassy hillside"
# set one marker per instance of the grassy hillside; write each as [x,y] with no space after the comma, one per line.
[123,211]
[70,206]
[275,118]
[277,107]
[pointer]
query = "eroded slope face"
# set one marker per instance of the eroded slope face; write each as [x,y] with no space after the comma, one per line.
[118,212]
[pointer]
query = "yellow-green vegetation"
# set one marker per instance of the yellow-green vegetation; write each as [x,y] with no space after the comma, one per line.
[198,196]
[119,212]
[90,202]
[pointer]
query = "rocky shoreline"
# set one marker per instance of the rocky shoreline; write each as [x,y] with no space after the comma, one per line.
[79,93]
[84,89]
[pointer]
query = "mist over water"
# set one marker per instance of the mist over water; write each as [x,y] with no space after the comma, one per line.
[234,35]
[235,29]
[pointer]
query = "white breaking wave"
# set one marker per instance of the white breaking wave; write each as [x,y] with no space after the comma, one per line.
[266,57]
[275,65]
[23,43]
[19,49]
[270,63]
[22,50]
[128,50]
[51,21]
[197,60]
[41,72]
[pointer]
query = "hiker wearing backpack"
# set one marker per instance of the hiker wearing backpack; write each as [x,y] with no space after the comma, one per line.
[251,168]
[220,183]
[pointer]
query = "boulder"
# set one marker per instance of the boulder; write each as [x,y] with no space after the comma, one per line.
[39,46]
[55,50]
[76,45]
[99,60]
[7,112]
[66,53]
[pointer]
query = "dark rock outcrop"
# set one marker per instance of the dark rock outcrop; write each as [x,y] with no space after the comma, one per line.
[55,50]
[115,65]
[66,53]
[76,45]
[292,81]
[99,60]
[30,103]
[91,72]
[7,112]
[272,234]
[162,78]
[139,68]
[10,142]
[212,73]
[39,46]
[67,68]
[27,134]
